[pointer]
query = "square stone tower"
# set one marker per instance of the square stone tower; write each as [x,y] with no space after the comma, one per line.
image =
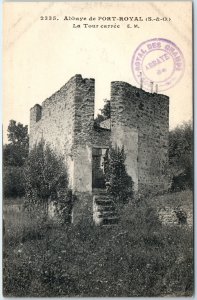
[139,122]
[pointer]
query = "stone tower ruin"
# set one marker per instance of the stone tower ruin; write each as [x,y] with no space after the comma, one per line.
[139,121]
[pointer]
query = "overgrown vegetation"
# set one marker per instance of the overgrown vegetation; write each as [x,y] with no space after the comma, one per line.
[47,180]
[120,184]
[139,257]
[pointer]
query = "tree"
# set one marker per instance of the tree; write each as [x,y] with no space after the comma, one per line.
[180,153]
[119,182]
[46,179]
[13,182]
[105,113]
[14,156]
[17,133]
[16,152]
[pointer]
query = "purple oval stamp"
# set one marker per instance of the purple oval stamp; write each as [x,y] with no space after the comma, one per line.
[157,64]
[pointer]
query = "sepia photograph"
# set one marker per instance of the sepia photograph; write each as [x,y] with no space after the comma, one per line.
[98,149]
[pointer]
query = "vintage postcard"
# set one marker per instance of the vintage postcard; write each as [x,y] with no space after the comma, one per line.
[97,149]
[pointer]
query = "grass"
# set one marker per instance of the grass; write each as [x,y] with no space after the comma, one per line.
[139,257]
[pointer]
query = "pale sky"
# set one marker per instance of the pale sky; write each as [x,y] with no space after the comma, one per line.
[39,57]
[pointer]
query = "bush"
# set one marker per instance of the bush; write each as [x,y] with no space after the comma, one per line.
[13,181]
[181,215]
[182,181]
[181,156]
[46,179]
[120,184]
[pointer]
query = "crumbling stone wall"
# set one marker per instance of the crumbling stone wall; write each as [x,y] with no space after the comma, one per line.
[133,109]
[54,122]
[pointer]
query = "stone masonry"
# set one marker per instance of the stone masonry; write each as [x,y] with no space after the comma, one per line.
[139,121]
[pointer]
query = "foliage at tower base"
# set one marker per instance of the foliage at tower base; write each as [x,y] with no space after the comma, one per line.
[119,183]
[47,181]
